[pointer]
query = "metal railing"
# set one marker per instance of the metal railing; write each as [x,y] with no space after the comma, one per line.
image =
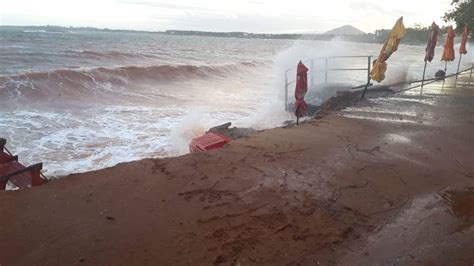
[433,80]
[326,60]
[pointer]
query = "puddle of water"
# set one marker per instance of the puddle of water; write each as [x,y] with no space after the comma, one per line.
[428,229]
[396,138]
[425,101]
[384,119]
[461,203]
[406,158]
[381,111]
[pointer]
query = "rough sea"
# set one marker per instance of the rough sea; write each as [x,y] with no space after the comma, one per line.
[85,100]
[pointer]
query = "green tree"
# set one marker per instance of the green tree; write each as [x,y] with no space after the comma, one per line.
[462,14]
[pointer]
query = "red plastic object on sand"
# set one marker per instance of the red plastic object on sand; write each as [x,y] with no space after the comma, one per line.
[15,172]
[208,141]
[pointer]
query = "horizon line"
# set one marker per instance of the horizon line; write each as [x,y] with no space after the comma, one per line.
[164,31]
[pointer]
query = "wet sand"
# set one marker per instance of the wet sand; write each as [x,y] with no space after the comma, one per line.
[388,180]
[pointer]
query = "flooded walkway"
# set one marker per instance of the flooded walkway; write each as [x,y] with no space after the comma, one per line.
[418,105]
[435,227]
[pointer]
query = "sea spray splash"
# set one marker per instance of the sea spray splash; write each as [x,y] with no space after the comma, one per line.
[319,57]
[272,113]
[193,124]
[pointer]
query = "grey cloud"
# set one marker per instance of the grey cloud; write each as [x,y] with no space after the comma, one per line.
[213,19]
[167,5]
[160,4]
[391,10]
[250,23]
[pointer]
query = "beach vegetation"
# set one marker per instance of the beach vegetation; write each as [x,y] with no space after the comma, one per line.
[462,14]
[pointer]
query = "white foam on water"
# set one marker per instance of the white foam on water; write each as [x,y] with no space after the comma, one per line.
[89,139]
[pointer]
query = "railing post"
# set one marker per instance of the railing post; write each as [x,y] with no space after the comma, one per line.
[312,74]
[369,59]
[368,77]
[459,65]
[286,90]
[326,70]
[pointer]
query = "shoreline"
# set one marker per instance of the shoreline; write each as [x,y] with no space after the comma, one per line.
[385,181]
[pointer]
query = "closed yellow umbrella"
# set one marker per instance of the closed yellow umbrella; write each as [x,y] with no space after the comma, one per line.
[391,45]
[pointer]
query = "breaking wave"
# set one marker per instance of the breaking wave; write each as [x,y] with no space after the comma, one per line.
[81,82]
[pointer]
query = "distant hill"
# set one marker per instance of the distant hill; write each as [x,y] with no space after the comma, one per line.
[344,30]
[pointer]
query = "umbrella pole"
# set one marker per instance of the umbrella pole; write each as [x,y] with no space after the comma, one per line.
[459,64]
[445,72]
[423,80]
[365,90]
[470,75]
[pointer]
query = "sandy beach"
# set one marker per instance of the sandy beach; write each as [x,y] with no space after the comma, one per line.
[388,180]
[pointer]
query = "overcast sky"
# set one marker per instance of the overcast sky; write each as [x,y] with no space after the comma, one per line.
[223,15]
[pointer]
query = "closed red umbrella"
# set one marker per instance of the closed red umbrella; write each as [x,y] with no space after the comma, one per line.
[432,40]
[462,48]
[430,49]
[300,90]
[448,52]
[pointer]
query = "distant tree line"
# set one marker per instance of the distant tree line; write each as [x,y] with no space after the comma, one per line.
[233,34]
[416,35]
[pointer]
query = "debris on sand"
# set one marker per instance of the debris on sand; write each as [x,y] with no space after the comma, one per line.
[234,132]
